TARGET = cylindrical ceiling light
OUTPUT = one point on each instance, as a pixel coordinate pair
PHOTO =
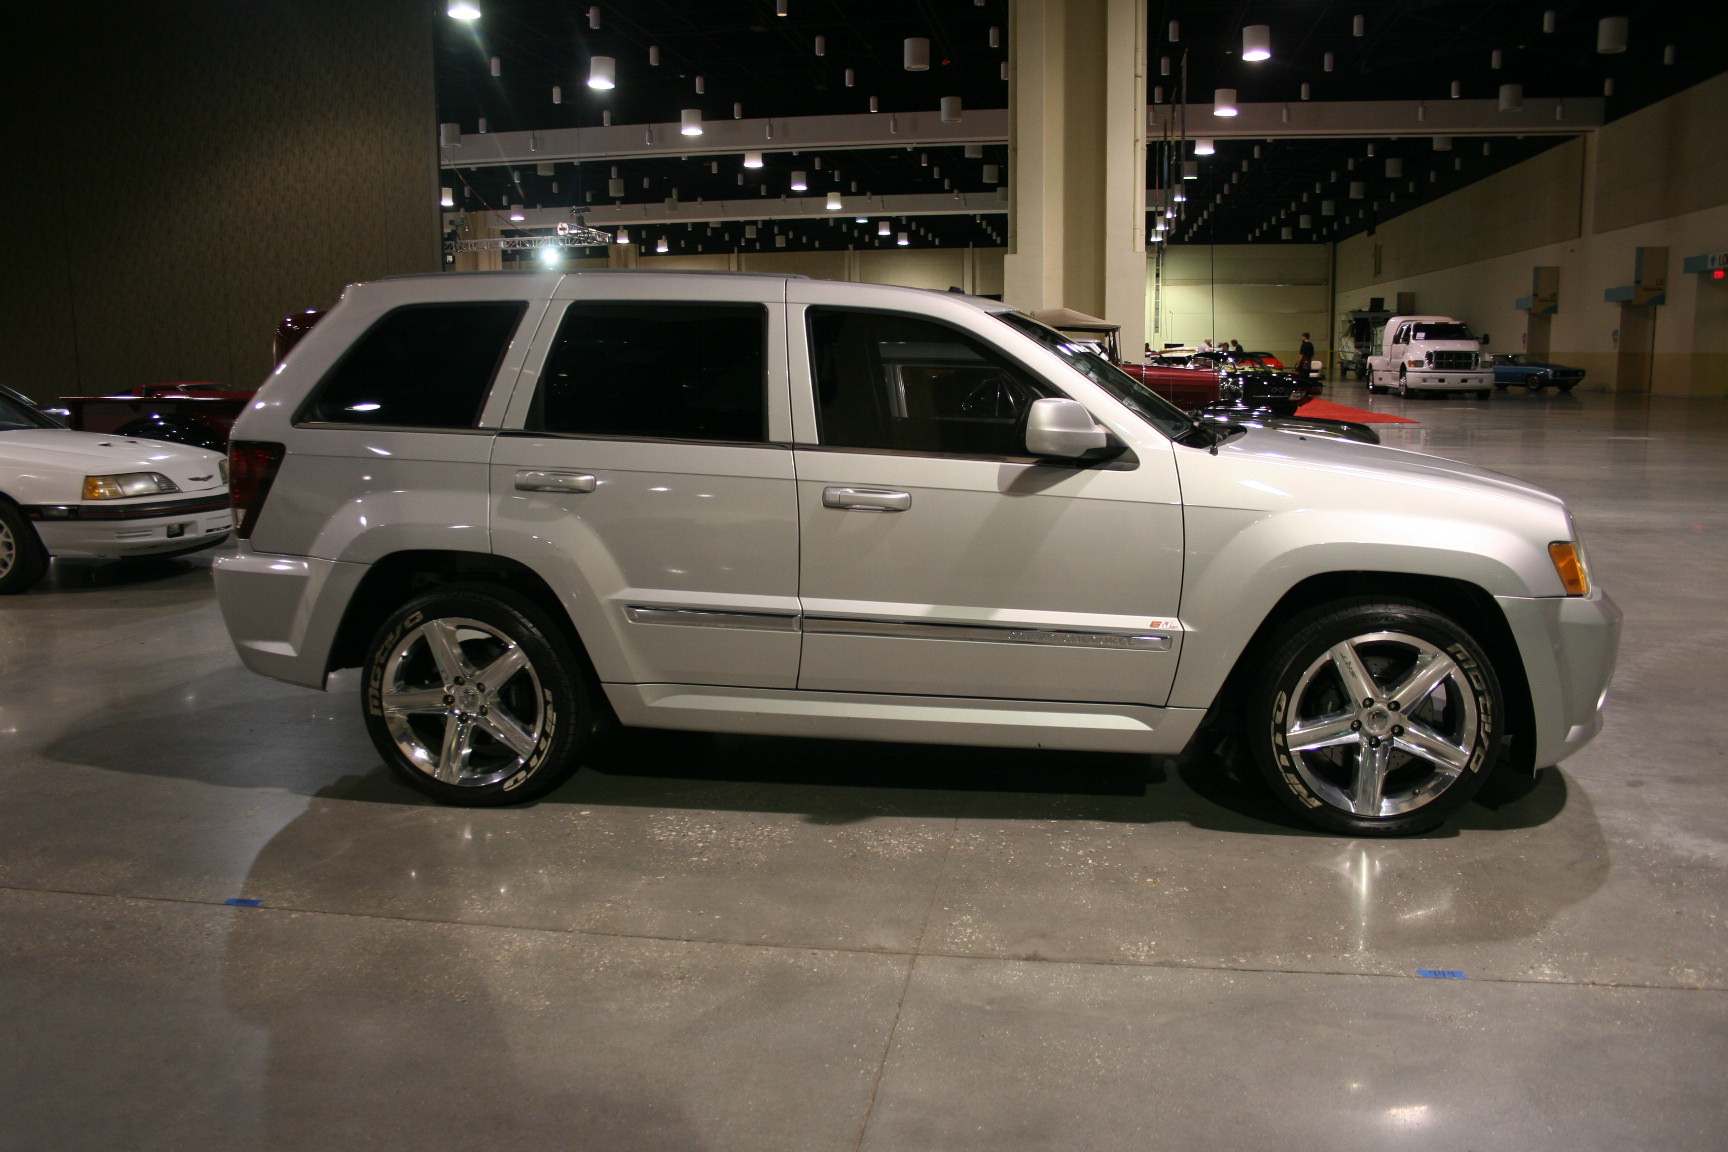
(1328, 62)
(593, 18)
(1163, 65)
(654, 55)
(1304, 221)
(497, 66)
(1203, 146)
(462, 10)
(1224, 102)
(1174, 32)
(557, 94)
(752, 159)
(615, 188)
(690, 122)
(603, 72)
(1442, 143)
(992, 174)
(623, 236)
(1257, 42)
(1668, 54)
(701, 85)
(516, 213)
(821, 45)
(1496, 58)
(449, 135)
(1287, 232)
(1190, 170)
(1179, 195)
(1328, 207)
(995, 37)
(1358, 189)
(902, 240)
(882, 228)
(833, 204)
(661, 246)
(1158, 94)
(974, 151)
(798, 184)
(779, 10)
(851, 77)
(875, 105)
(1611, 35)
(950, 109)
(447, 198)
(1307, 90)
(1394, 168)
(1511, 97)
(916, 54)
(1358, 25)
(1548, 20)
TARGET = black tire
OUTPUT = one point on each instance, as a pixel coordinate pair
(514, 740)
(1410, 781)
(1403, 385)
(23, 560)
(1533, 383)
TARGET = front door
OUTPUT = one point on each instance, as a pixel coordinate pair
(939, 559)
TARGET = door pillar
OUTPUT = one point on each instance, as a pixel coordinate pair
(1077, 161)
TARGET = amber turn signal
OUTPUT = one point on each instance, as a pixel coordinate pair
(1569, 562)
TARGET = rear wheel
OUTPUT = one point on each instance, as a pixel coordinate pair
(23, 560)
(474, 697)
(1375, 718)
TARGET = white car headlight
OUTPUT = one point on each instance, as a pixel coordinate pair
(222, 466)
(127, 484)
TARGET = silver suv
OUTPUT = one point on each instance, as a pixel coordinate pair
(531, 505)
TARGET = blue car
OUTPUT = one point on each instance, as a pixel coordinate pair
(1534, 373)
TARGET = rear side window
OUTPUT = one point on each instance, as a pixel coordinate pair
(910, 385)
(658, 371)
(420, 366)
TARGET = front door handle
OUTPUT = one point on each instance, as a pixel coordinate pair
(528, 480)
(866, 499)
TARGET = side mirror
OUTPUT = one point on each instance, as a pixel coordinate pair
(1062, 429)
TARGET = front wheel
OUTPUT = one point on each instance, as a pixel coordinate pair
(23, 560)
(1375, 718)
(1403, 386)
(474, 697)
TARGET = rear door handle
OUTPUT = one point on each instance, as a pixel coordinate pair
(866, 499)
(528, 480)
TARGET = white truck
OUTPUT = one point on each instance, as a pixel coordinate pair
(1429, 354)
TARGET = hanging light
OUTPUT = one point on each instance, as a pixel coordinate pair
(1190, 170)
(992, 174)
(950, 109)
(463, 10)
(1358, 189)
(752, 159)
(1287, 232)
(1496, 58)
(701, 85)
(902, 240)
(860, 219)
(1611, 35)
(654, 55)
(557, 94)
(1328, 207)
(516, 213)
(1307, 90)
(661, 247)
(603, 72)
(690, 122)
(450, 135)
(1203, 146)
(1394, 168)
(1174, 33)
(1224, 102)
(833, 204)
(779, 10)
(1179, 195)
(875, 106)
(1304, 222)
(1327, 62)
(447, 198)
(1442, 143)
(1511, 97)
(623, 236)
(1548, 20)
(1358, 25)
(882, 228)
(798, 184)
(916, 54)
(821, 45)
(497, 66)
(995, 37)
(1257, 42)
(615, 188)
(851, 77)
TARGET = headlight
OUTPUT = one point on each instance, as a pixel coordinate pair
(127, 484)
(1568, 557)
(222, 466)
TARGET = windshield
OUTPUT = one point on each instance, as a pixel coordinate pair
(1441, 332)
(1144, 402)
(17, 412)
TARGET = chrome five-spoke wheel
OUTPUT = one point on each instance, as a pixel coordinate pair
(474, 697)
(1376, 718)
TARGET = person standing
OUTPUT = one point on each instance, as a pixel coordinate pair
(1305, 360)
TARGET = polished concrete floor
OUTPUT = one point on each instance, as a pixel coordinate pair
(706, 943)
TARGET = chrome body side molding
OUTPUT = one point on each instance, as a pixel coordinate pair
(1130, 640)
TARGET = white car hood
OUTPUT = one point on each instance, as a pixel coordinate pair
(44, 465)
(1359, 461)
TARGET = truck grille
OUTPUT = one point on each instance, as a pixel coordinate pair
(1453, 361)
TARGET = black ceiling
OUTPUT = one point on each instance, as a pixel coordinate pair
(766, 65)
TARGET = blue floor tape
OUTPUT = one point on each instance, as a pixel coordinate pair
(244, 903)
(1431, 973)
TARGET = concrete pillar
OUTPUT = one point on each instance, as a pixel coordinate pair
(1077, 160)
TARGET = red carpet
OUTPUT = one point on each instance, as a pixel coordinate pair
(1326, 410)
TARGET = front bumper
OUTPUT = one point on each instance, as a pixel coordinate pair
(1449, 381)
(128, 528)
(1569, 645)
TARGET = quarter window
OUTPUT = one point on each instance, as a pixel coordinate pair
(657, 371)
(420, 366)
(905, 384)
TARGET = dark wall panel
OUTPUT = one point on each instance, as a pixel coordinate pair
(182, 175)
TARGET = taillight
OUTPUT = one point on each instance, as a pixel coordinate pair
(252, 468)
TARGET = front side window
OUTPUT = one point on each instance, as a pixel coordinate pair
(657, 371)
(1403, 336)
(419, 366)
(901, 383)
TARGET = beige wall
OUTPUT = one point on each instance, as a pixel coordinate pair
(1265, 295)
(303, 132)
(1657, 178)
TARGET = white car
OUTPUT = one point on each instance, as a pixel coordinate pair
(528, 504)
(66, 493)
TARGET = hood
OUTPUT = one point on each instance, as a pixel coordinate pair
(55, 456)
(1268, 469)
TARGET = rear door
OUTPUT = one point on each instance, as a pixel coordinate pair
(937, 557)
(645, 472)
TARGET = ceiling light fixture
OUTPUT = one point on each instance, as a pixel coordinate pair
(1307, 90)
(623, 236)
(1358, 25)
(1224, 102)
(1190, 171)
(1611, 35)
(1328, 62)
(1257, 42)
(1548, 20)
(1511, 97)
(915, 54)
(661, 247)
(950, 109)
(690, 122)
(462, 10)
(1203, 146)
(833, 204)
(752, 159)
(603, 73)
(798, 184)
(447, 198)
(516, 213)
